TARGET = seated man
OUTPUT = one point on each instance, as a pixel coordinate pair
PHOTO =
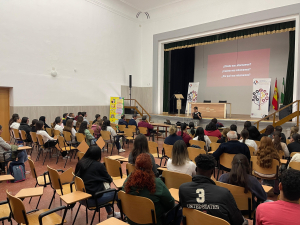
(64, 119)
(204, 195)
(233, 127)
(132, 121)
(144, 123)
(232, 146)
(287, 209)
(123, 121)
(196, 115)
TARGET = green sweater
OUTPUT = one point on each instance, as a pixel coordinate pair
(162, 199)
(88, 137)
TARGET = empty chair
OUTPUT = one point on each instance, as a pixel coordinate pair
(294, 165)
(121, 127)
(153, 149)
(80, 137)
(5, 212)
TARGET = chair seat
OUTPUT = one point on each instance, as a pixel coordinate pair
(68, 148)
(4, 211)
(66, 189)
(118, 178)
(129, 138)
(33, 218)
(41, 180)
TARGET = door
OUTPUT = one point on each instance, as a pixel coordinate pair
(4, 112)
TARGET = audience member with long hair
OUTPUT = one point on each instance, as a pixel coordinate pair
(15, 122)
(211, 130)
(184, 134)
(106, 127)
(191, 131)
(43, 119)
(200, 136)
(58, 125)
(245, 139)
(224, 138)
(280, 146)
(173, 137)
(69, 128)
(90, 139)
(77, 123)
(254, 134)
(32, 125)
(94, 175)
(24, 126)
(247, 124)
(13, 118)
(96, 127)
(269, 131)
(49, 142)
(142, 182)
(294, 145)
(180, 161)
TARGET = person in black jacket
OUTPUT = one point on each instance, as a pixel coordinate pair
(132, 121)
(294, 145)
(43, 118)
(94, 175)
(24, 126)
(173, 137)
(204, 195)
(123, 121)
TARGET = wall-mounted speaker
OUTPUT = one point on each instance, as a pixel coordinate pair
(130, 81)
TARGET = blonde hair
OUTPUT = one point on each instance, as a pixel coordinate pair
(294, 130)
(180, 153)
(172, 129)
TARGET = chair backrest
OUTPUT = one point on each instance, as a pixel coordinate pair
(33, 137)
(143, 130)
(113, 167)
(83, 147)
(49, 131)
(128, 132)
(168, 150)
(213, 139)
(80, 155)
(32, 168)
(281, 154)
(91, 122)
(293, 153)
(226, 160)
(201, 144)
(287, 141)
(193, 216)
(79, 184)
(129, 168)
(67, 135)
(132, 127)
(54, 178)
(252, 150)
(257, 143)
(91, 131)
(17, 208)
(153, 147)
(16, 133)
(23, 135)
(243, 200)
(131, 207)
(121, 127)
(294, 165)
(257, 168)
(61, 142)
(106, 135)
(56, 132)
(174, 180)
(80, 137)
(40, 139)
(194, 152)
(214, 146)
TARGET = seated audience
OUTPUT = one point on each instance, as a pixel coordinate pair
(4, 146)
(77, 123)
(94, 175)
(294, 145)
(254, 134)
(57, 125)
(200, 136)
(97, 118)
(144, 123)
(43, 119)
(71, 116)
(240, 176)
(24, 126)
(49, 142)
(140, 146)
(89, 138)
(211, 130)
(114, 137)
(294, 130)
(69, 128)
(232, 146)
(286, 210)
(78, 114)
(218, 124)
(283, 138)
(13, 118)
(96, 127)
(16, 123)
(204, 195)
(173, 137)
(247, 124)
(269, 131)
(191, 131)
(180, 161)
(248, 142)
(132, 121)
(85, 117)
(104, 118)
(183, 133)
(142, 182)
(33, 123)
(280, 146)
(123, 121)
(64, 119)
(233, 127)
(224, 139)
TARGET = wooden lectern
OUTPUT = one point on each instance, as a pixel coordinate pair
(179, 97)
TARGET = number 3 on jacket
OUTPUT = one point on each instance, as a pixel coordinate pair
(201, 194)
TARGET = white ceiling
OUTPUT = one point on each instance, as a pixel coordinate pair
(146, 5)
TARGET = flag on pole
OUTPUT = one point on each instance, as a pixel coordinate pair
(282, 91)
(275, 97)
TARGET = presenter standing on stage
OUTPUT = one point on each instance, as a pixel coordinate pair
(196, 115)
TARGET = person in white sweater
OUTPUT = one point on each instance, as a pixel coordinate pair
(57, 125)
(200, 136)
(15, 124)
(114, 137)
(244, 139)
(48, 141)
(180, 161)
(3, 146)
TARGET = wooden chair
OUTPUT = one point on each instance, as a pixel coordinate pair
(25, 141)
(167, 152)
(43, 216)
(213, 139)
(201, 144)
(80, 155)
(80, 137)
(91, 122)
(252, 151)
(60, 183)
(243, 200)
(214, 146)
(225, 160)
(5, 212)
(114, 168)
(294, 165)
(34, 140)
(42, 148)
(193, 216)
(129, 168)
(293, 153)
(288, 141)
(281, 154)
(91, 131)
(63, 147)
(129, 134)
(132, 127)
(56, 132)
(194, 152)
(174, 180)
(16, 134)
(268, 171)
(121, 127)
(144, 131)
(49, 131)
(106, 135)
(153, 149)
(257, 143)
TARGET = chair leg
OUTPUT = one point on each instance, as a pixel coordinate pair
(93, 217)
(45, 157)
(38, 202)
(86, 215)
(99, 215)
(52, 199)
(76, 214)
(66, 159)
(218, 173)
(31, 197)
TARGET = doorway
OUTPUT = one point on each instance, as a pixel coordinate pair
(4, 112)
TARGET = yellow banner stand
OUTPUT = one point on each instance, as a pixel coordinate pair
(116, 109)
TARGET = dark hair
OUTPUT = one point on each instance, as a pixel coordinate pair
(233, 127)
(276, 141)
(269, 130)
(33, 122)
(144, 117)
(254, 134)
(134, 115)
(239, 172)
(56, 121)
(140, 146)
(211, 126)
(296, 137)
(79, 113)
(104, 125)
(24, 120)
(65, 114)
(278, 128)
(200, 134)
(93, 154)
(83, 114)
(69, 125)
(182, 127)
(83, 127)
(42, 118)
(104, 118)
(0, 127)
(39, 125)
(79, 121)
(205, 162)
(245, 135)
(13, 118)
(123, 116)
(291, 184)
(247, 124)
(195, 107)
(192, 126)
(97, 116)
(214, 120)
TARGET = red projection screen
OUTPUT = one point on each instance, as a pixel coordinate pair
(237, 68)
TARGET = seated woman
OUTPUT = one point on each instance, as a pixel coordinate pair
(140, 146)
(69, 128)
(4, 146)
(57, 125)
(211, 130)
(96, 127)
(269, 131)
(97, 118)
(183, 133)
(224, 139)
(33, 123)
(294, 145)
(15, 123)
(90, 140)
(24, 126)
(77, 123)
(280, 146)
(245, 140)
(94, 175)
(240, 176)
(254, 134)
(200, 136)
(173, 137)
(191, 131)
(43, 119)
(180, 161)
(114, 137)
(13, 118)
(294, 130)
(142, 182)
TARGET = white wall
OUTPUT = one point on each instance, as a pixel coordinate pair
(100, 39)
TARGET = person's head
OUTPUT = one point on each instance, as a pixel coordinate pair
(144, 118)
(71, 115)
(13, 118)
(254, 134)
(134, 116)
(269, 130)
(104, 118)
(205, 165)
(239, 171)
(79, 113)
(233, 127)
(69, 123)
(93, 154)
(265, 142)
(65, 115)
(25, 120)
(192, 127)
(183, 128)
(224, 133)
(143, 176)
(294, 130)
(200, 134)
(140, 146)
(42, 118)
(39, 125)
(214, 120)
(180, 153)
(83, 127)
(278, 128)
(232, 135)
(33, 122)
(295, 138)
(123, 117)
(245, 135)
(247, 124)
(56, 121)
(97, 117)
(172, 130)
(84, 114)
(79, 121)
(277, 140)
(195, 109)
(290, 185)
(211, 126)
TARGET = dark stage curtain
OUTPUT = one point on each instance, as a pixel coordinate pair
(182, 72)
(166, 96)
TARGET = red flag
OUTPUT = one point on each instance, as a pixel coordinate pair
(275, 97)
